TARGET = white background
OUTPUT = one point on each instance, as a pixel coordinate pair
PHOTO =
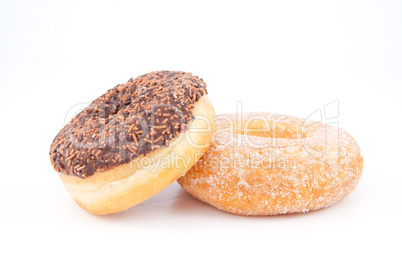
(290, 57)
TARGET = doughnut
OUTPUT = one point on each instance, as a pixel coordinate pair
(134, 140)
(269, 164)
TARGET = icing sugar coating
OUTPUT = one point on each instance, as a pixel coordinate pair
(127, 121)
(269, 164)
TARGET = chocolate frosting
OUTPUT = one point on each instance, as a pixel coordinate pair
(127, 121)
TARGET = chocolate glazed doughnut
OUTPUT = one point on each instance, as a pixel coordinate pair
(134, 140)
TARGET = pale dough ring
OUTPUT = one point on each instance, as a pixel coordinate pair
(260, 164)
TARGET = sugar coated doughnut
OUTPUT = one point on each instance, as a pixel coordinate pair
(269, 164)
(134, 140)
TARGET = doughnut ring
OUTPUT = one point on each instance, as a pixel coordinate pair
(269, 164)
(134, 140)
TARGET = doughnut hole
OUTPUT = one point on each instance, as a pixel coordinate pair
(258, 130)
(261, 126)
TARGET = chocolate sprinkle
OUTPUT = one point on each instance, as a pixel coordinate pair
(127, 121)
